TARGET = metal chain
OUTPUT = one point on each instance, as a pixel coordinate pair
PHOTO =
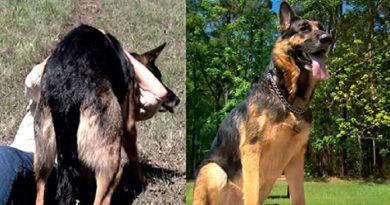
(281, 97)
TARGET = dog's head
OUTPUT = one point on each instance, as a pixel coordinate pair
(149, 60)
(303, 45)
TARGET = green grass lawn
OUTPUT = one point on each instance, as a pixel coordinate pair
(340, 192)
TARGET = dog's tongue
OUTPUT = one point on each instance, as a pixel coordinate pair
(318, 68)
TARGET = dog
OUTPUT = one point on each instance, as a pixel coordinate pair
(267, 133)
(86, 114)
(148, 107)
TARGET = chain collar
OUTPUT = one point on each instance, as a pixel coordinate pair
(281, 97)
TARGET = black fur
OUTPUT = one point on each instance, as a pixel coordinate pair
(264, 101)
(313, 45)
(85, 63)
(224, 150)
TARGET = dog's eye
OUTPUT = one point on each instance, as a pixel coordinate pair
(305, 28)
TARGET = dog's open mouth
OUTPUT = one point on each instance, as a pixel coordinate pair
(166, 109)
(315, 62)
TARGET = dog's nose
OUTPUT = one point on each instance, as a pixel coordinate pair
(177, 101)
(326, 38)
(171, 101)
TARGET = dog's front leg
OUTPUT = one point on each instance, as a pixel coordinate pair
(129, 144)
(250, 159)
(129, 141)
(294, 176)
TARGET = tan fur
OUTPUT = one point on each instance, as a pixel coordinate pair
(99, 146)
(282, 145)
(283, 25)
(284, 61)
(96, 144)
(104, 147)
(250, 153)
(45, 149)
(210, 181)
(129, 141)
(231, 194)
(281, 148)
(267, 149)
(269, 146)
(294, 175)
(105, 188)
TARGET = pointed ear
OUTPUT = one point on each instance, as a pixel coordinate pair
(153, 54)
(286, 14)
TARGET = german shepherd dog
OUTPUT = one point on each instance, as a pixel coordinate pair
(267, 133)
(86, 114)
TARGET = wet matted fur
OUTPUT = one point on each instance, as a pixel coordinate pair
(86, 113)
(267, 133)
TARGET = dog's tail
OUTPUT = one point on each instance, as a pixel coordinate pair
(65, 126)
(63, 91)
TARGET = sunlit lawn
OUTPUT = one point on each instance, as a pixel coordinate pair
(340, 192)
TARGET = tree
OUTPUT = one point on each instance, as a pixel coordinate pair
(352, 108)
(229, 43)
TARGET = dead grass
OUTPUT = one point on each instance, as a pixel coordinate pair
(143, 25)
(30, 30)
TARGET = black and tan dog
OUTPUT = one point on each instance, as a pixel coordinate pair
(86, 113)
(267, 133)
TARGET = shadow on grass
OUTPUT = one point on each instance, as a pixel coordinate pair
(320, 179)
(131, 186)
(127, 191)
(160, 173)
(369, 180)
(374, 181)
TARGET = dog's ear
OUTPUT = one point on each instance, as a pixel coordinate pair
(286, 15)
(153, 54)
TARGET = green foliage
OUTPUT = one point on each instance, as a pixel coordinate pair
(229, 43)
(353, 104)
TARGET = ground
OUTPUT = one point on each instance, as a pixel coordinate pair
(332, 191)
(30, 32)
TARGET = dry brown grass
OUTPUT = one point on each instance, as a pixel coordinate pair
(32, 29)
(28, 32)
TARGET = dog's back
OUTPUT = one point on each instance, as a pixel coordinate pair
(84, 84)
(84, 61)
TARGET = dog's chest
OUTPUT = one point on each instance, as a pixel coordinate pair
(293, 129)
